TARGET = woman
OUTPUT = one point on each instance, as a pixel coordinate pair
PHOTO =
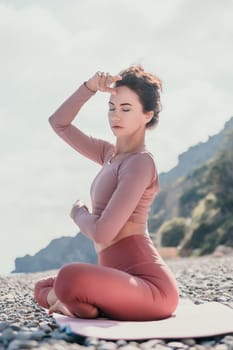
(131, 281)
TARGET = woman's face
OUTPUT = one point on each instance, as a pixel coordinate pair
(126, 114)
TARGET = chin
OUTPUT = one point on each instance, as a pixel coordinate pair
(117, 131)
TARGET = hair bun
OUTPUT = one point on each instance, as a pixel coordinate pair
(147, 86)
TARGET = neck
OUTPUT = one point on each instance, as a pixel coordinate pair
(129, 144)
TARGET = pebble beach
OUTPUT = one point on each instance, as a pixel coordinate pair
(25, 325)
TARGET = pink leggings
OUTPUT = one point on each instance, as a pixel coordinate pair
(130, 282)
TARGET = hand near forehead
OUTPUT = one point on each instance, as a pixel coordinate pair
(102, 82)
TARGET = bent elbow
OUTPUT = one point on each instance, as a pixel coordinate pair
(51, 121)
(55, 126)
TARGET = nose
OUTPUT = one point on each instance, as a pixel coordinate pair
(114, 116)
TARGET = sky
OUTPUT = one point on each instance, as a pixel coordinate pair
(48, 48)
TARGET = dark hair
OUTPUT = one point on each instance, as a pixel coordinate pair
(147, 86)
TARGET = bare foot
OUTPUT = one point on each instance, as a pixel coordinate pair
(55, 305)
(60, 308)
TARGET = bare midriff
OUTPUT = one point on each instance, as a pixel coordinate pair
(129, 229)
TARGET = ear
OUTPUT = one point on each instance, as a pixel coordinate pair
(148, 116)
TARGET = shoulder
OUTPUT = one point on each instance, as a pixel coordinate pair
(140, 164)
(140, 159)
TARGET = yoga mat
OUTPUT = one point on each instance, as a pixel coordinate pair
(188, 321)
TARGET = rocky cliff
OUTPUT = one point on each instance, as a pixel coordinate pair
(58, 252)
(196, 155)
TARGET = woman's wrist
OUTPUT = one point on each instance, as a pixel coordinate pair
(90, 89)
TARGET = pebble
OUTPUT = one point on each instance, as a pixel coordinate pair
(22, 344)
(108, 345)
(228, 339)
(189, 341)
(221, 347)
(3, 325)
(24, 325)
(121, 342)
(177, 345)
(91, 341)
(129, 347)
(38, 335)
(152, 343)
(9, 334)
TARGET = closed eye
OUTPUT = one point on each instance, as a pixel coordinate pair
(125, 107)
(123, 110)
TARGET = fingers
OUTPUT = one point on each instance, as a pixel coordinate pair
(106, 80)
(102, 81)
(77, 205)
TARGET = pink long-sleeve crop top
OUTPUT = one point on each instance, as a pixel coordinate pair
(124, 188)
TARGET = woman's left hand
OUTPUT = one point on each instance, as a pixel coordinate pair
(77, 205)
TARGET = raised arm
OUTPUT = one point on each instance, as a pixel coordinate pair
(136, 175)
(61, 120)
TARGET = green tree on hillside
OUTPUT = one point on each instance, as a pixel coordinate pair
(172, 232)
(215, 225)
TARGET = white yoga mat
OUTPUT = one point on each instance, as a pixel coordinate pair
(188, 321)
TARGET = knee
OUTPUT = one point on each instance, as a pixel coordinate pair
(68, 280)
